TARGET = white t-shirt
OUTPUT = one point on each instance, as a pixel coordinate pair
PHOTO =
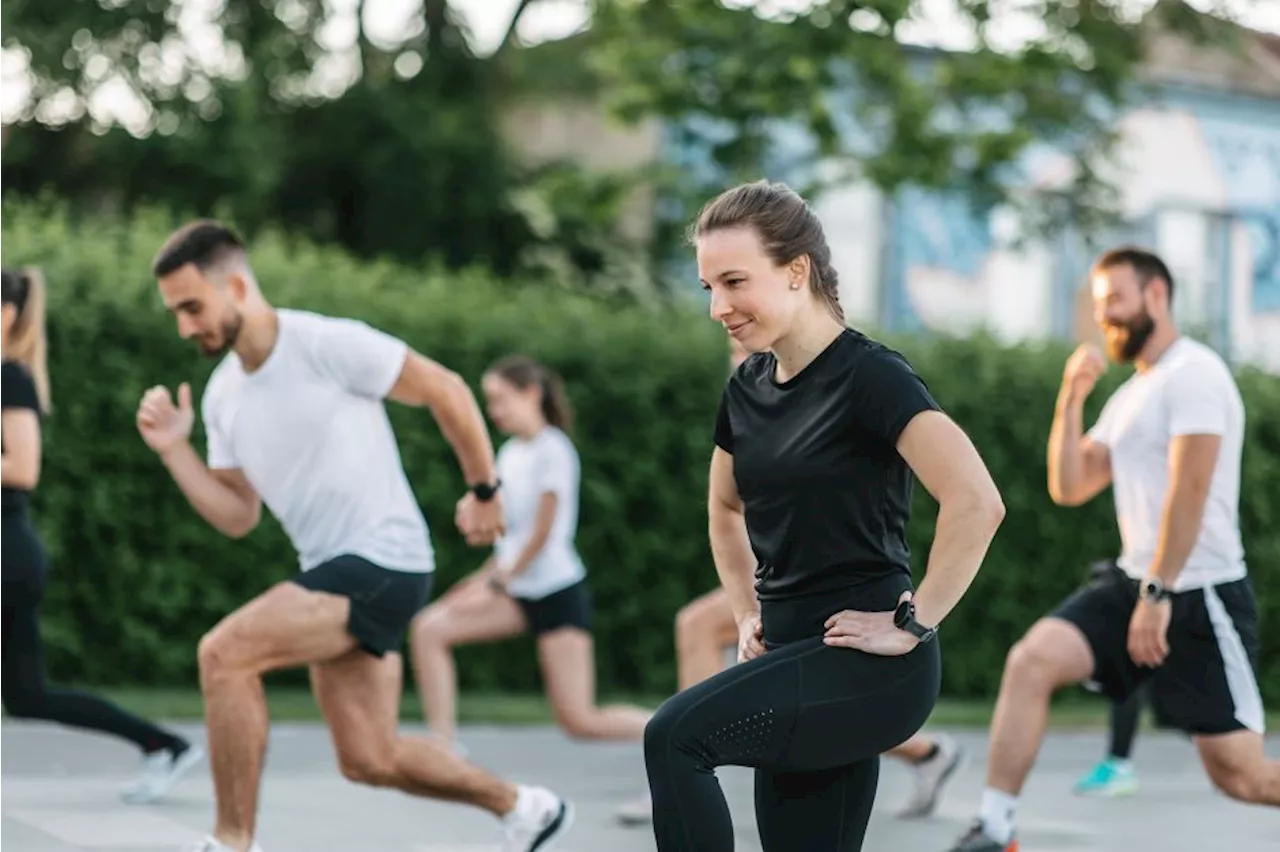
(1189, 391)
(310, 432)
(547, 462)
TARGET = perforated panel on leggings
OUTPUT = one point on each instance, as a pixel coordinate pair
(744, 739)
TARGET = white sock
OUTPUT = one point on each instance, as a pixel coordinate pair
(526, 801)
(997, 814)
(1123, 764)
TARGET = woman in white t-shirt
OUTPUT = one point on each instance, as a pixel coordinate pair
(534, 581)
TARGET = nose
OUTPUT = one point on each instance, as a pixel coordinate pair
(720, 307)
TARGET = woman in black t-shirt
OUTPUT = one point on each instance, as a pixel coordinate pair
(819, 436)
(25, 694)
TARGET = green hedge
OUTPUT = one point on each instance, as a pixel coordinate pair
(137, 577)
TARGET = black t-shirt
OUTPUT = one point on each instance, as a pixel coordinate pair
(17, 390)
(827, 497)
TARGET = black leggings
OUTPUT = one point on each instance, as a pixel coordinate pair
(23, 689)
(811, 719)
(1125, 716)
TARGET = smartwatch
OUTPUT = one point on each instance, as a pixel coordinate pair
(904, 618)
(1151, 589)
(484, 491)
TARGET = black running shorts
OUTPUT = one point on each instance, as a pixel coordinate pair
(1208, 683)
(383, 601)
(569, 607)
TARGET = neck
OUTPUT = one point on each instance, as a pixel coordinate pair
(533, 429)
(797, 349)
(1161, 339)
(257, 337)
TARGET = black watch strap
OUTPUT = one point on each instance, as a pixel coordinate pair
(485, 491)
(904, 617)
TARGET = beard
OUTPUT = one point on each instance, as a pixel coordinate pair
(1126, 339)
(228, 333)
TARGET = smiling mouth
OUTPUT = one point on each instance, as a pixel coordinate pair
(735, 328)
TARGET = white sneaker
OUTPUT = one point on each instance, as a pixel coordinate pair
(539, 819)
(930, 776)
(209, 843)
(636, 812)
(160, 771)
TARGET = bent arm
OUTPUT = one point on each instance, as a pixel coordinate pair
(730, 546)
(538, 538)
(223, 497)
(1192, 459)
(969, 509)
(424, 383)
(1079, 467)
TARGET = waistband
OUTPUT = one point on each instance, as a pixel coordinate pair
(793, 619)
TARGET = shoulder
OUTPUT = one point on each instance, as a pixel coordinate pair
(870, 365)
(1194, 359)
(755, 369)
(553, 441)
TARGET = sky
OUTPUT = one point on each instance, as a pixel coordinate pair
(388, 20)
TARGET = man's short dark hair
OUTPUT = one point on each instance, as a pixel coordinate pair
(203, 242)
(1146, 264)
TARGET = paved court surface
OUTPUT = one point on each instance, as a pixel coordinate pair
(59, 794)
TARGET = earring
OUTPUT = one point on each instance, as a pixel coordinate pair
(795, 286)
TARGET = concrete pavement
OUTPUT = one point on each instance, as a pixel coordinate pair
(60, 794)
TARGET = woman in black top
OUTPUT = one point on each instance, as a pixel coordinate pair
(819, 434)
(25, 693)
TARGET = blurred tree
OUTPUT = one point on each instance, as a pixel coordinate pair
(728, 73)
(287, 112)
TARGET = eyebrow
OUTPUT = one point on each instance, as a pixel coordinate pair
(183, 305)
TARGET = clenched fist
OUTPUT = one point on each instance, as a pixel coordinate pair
(162, 425)
(1083, 368)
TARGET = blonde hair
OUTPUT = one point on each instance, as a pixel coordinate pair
(28, 343)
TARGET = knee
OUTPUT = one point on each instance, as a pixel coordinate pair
(695, 625)
(578, 724)
(213, 654)
(1236, 781)
(659, 731)
(1030, 664)
(430, 628)
(368, 768)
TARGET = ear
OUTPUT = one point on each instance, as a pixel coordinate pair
(798, 272)
(237, 286)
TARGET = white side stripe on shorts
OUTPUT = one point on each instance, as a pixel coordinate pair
(1241, 682)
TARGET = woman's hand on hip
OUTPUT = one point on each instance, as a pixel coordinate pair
(871, 632)
(750, 638)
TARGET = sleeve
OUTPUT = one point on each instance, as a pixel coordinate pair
(1100, 432)
(17, 390)
(887, 394)
(724, 429)
(557, 469)
(1198, 400)
(219, 452)
(362, 359)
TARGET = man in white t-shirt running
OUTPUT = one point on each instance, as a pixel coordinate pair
(1181, 611)
(294, 418)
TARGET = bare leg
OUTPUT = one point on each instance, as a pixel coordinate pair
(568, 669)
(360, 695)
(469, 612)
(1053, 654)
(704, 628)
(1239, 767)
(913, 750)
(286, 626)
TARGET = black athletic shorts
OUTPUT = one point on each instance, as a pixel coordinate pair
(1208, 683)
(383, 601)
(569, 607)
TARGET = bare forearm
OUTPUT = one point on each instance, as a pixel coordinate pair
(1065, 458)
(1179, 529)
(527, 554)
(225, 510)
(463, 426)
(15, 475)
(962, 536)
(735, 562)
